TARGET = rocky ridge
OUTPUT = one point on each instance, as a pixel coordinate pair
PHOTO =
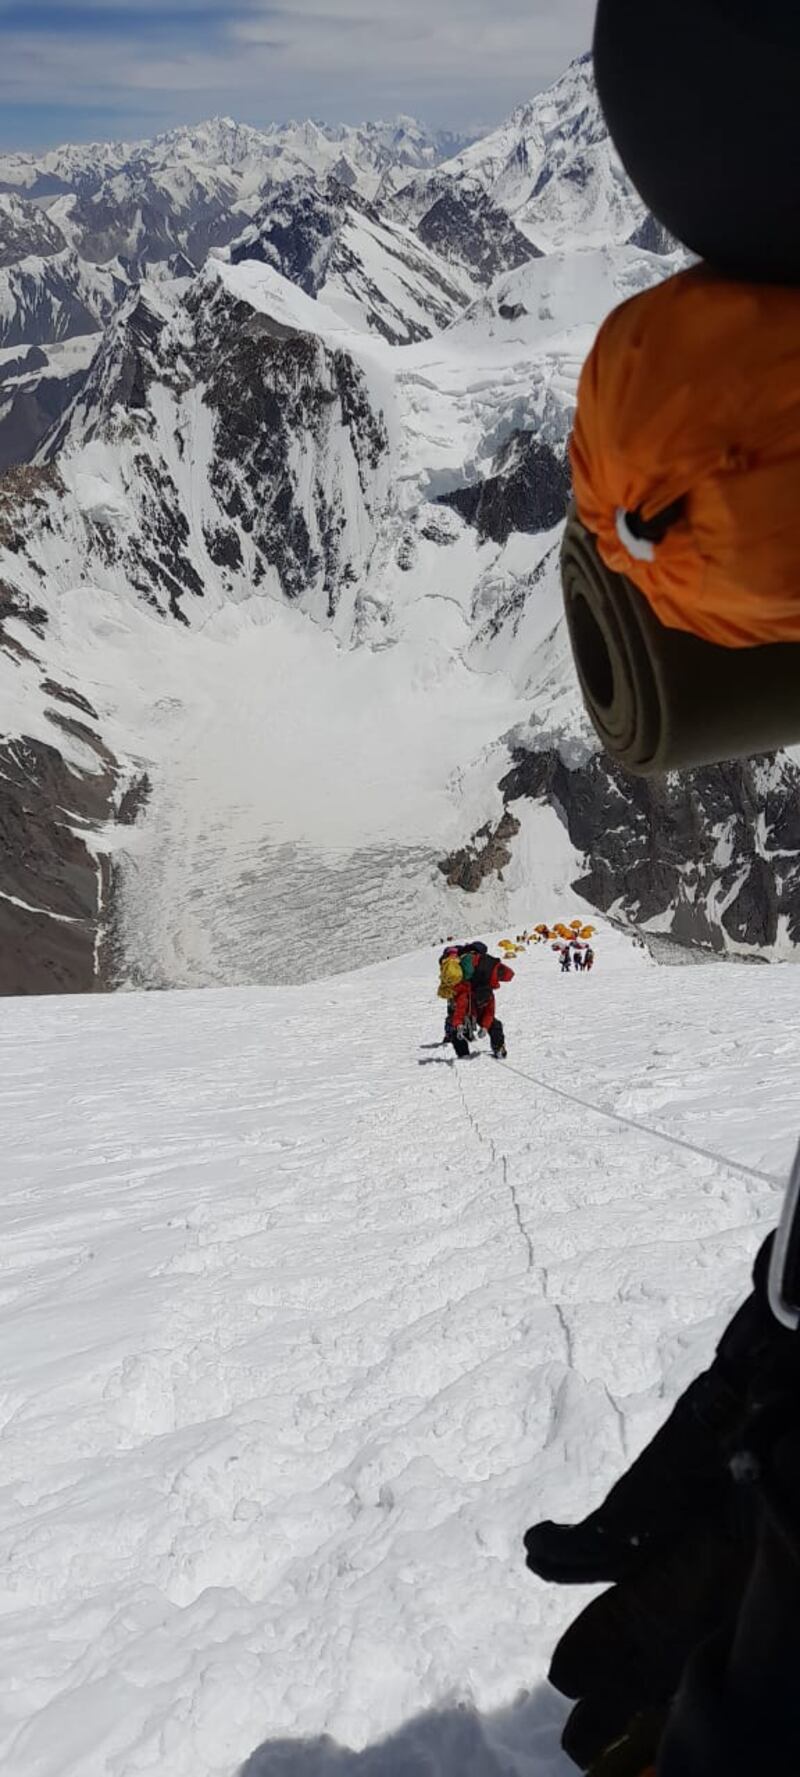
(334, 244)
(708, 859)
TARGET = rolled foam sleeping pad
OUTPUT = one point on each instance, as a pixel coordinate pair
(661, 699)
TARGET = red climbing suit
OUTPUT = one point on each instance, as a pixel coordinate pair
(465, 1002)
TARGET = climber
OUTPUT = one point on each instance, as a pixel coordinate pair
(456, 965)
(473, 1009)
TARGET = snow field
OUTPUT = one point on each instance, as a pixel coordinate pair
(300, 1335)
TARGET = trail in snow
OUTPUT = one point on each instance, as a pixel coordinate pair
(299, 1337)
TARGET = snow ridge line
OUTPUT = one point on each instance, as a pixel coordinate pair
(675, 1141)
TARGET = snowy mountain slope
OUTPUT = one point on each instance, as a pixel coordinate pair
(361, 679)
(159, 496)
(26, 230)
(511, 363)
(552, 168)
(43, 300)
(369, 155)
(107, 214)
(60, 783)
(299, 1337)
(201, 402)
(37, 386)
(707, 859)
(146, 215)
(458, 219)
(191, 189)
(71, 167)
(282, 151)
(129, 208)
(334, 245)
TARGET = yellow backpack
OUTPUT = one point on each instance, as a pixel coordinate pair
(450, 976)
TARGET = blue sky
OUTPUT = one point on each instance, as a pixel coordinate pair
(127, 68)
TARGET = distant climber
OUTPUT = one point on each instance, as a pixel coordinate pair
(588, 960)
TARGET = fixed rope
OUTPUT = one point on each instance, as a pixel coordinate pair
(675, 1141)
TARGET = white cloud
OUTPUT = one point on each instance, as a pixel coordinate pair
(457, 62)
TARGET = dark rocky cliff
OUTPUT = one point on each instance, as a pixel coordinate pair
(712, 856)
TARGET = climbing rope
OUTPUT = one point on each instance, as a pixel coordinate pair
(675, 1141)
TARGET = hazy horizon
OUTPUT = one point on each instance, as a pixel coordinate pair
(461, 66)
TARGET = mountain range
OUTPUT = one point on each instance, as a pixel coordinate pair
(283, 672)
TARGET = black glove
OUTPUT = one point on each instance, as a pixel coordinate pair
(736, 1713)
(624, 1655)
(681, 1474)
(678, 1536)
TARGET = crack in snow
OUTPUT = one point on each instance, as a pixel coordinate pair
(518, 1213)
(500, 1163)
(620, 1419)
(561, 1317)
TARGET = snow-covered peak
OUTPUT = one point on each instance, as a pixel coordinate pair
(24, 230)
(279, 439)
(276, 150)
(553, 168)
(458, 219)
(55, 295)
(219, 141)
(245, 456)
(568, 109)
(333, 244)
(70, 167)
(192, 188)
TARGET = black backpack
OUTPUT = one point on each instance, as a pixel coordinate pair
(482, 980)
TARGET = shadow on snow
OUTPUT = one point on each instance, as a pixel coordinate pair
(520, 1741)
